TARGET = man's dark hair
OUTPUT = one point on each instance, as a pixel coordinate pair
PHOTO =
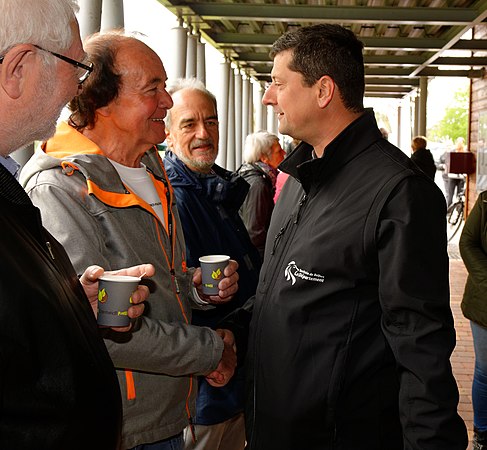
(104, 83)
(327, 49)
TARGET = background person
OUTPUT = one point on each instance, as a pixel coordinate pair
(422, 157)
(454, 182)
(102, 190)
(262, 154)
(208, 199)
(473, 248)
(58, 388)
(351, 330)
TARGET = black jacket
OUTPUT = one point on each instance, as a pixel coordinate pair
(58, 388)
(256, 210)
(424, 160)
(351, 330)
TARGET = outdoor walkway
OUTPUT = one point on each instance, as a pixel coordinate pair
(463, 357)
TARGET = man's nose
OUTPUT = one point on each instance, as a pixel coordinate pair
(202, 131)
(268, 97)
(165, 100)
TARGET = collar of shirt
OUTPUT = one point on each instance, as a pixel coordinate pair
(11, 165)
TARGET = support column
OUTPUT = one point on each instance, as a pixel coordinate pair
(251, 108)
(200, 61)
(221, 159)
(423, 97)
(238, 119)
(177, 67)
(246, 87)
(399, 126)
(416, 117)
(89, 17)
(231, 122)
(271, 120)
(261, 118)
(191, 55)
(112, 15)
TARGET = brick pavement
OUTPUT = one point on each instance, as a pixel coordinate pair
(463, 356)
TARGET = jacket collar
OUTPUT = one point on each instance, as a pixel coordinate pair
(72, 148)
(220, 187)
(352, 141)
(11, 190)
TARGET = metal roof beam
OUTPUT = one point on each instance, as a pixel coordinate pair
(346, 14)
(370, 43)
(263, 59)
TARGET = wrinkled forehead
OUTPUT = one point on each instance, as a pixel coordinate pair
(191, 103)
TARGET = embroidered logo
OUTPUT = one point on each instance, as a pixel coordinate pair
(293, 272)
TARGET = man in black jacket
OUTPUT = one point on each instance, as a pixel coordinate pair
(58, 388)
(351, 329)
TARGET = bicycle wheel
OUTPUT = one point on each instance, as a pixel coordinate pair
(454, 218)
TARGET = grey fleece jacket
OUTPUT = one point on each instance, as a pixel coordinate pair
(87, 208)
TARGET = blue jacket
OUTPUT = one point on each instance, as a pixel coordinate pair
(208, 208)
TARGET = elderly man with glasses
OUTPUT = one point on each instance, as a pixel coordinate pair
(58, 388)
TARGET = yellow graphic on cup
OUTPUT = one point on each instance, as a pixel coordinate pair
(216, 274)
(102, 296)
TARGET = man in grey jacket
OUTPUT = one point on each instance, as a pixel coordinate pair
(101, 187)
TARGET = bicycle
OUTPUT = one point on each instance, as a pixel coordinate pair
(455, 216)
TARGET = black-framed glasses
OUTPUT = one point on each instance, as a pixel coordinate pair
(87, 69)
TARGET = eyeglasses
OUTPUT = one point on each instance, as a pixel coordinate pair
(86, 69)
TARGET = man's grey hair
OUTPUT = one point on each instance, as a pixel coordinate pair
(42, 22)
(258, 144)
(188, 83)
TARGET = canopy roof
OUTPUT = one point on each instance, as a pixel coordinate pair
(404, 39)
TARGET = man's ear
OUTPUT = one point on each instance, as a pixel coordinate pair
(326, 89)
(16, 70)
(104, 111)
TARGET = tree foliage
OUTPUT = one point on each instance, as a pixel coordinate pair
(454, 123)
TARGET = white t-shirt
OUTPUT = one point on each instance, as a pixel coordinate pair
(139, 182)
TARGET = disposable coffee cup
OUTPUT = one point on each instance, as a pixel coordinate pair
(114, 298)
(212, 267)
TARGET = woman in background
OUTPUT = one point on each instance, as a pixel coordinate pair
(262, 155)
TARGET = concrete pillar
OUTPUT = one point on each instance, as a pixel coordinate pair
(89, 17)
(423, 97)
(221, 159)
(271, 120)
(246, 87)
(261, 116)
(112, 15)
(251, 117)
(177, 67)
(415, 130)
(191, 55)
(238, 119)
(231, 122)
(399, 126)
(200, 61)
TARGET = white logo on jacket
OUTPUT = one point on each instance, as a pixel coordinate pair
(292, 272)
